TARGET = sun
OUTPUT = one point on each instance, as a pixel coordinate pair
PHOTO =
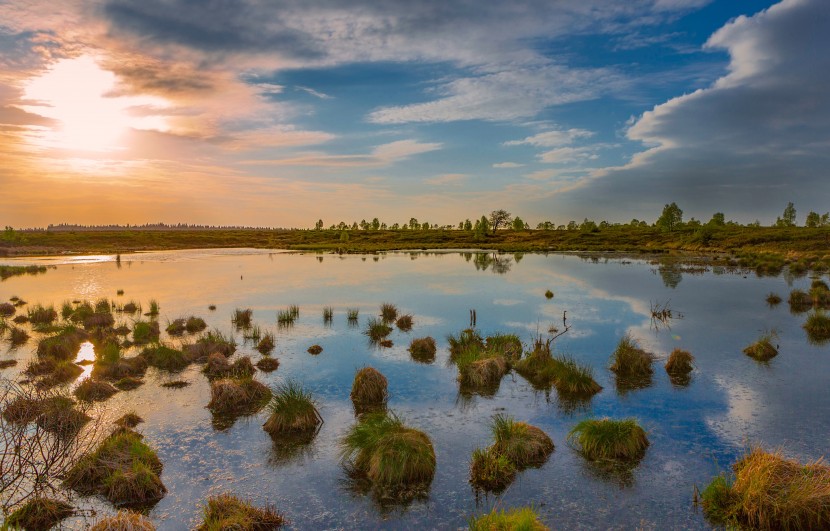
(78, 95)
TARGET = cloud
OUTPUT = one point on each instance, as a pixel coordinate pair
(756, 138)
(554, 138)
(315, 93)
(446, 179)
(507, 165)
(380, 156)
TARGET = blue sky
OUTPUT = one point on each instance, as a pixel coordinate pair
(280, 113)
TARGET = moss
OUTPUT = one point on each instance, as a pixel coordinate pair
(123, 468)
(423, 349)
(771, 492)
(226, 511)
(293, 410)
(39, 514)
(519, 519)
(90, 390)
(607, 439)
(124, 521)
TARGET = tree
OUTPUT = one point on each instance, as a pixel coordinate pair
(499, 217)
(788, 219)
(671, 218)
(813, 220)
(518, 224)
(375, 224)
(413, 224)
(718, 220)
(468, 225)
(319, 224)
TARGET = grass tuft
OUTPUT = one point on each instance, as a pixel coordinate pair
(293, 411)
(315, 349)
(268, 364)
(423, 349)
(607, 439)
(129, 420)
(377, 330)
(226, 511)
(524, 445)
(369, 390)
(491, 471)
(328, 315)
(679, 366)
(218, 366)
(770, 492)
(388, 312)
(267, 343)
(404, 322)
(763, 349)
(39, 513)
(124, 521)
(237, 396)
(90, 390)
(773, 299)
(548, 294)
(519, 519)
(242, 318)
(818, 327)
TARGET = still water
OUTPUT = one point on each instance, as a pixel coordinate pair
(695, 431)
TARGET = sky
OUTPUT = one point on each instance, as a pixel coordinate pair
(281, 112)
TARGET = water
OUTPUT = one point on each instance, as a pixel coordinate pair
(695, 431)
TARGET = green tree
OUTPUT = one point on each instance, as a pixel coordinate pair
(319, 224)
(468, 225)
(499, 217)
(813, 220)
(788, 218)
(376, 224)
(718, 220)
(518, 224)
(344, 235)
(671, 218)
(413, 224)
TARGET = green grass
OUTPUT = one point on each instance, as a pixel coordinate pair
(491, 471)
(267, 343)
(517, 519)
(524, 445)
(293, 410)
(607, 439)
(770, 492)
(818, 327)
(377, 329)
(388, 312)
(226, 511)
(286, 317)
(63, 345)
(124, 520)
(352, 314)
(548, 294)
(629, 360)
(392, 456)
(124, 469)
(763, 349)
(543, 370)
(466, 338)
(42, 314)
(165, 358)
(253, 332)
(39, 513)
(145, 332)
(155, 308)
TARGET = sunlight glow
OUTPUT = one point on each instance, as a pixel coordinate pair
(77, 93)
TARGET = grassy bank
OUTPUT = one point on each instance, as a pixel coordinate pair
(737, 240)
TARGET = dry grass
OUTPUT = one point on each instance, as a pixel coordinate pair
(39, 513)
(680, 362)
(7, 309)
(369, 389)
(607, 439)
(267, 343)
(124, 521)
(423, 349)
(242, 318)
(315, 349)
(268, 364)
(629, 360)
(175, 384)
(763, 349)
(90, 390)
(817, 327)
(771, 492)
(377, 330)
(388, 312)
(490, 470)
(227, 512)
(293, 411)
(522, 444)
(520, 519)
(129, 420)
(237, 396)
(218, 366)
(62, 346)
(404, 322)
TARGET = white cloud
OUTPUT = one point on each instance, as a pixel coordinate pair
(447, 179)
(507, 165)
(554, 138)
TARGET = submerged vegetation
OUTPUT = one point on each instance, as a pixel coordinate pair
(770, 492)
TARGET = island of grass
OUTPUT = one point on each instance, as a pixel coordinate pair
(543, 370)
(397, 460)
(39, 513)
(763, 349)
(226, 511)
(123, 469)
(369, 390)
(423, 349)
(521, 518)
(608, 439)
(631, 365)
(293, 411)
(770, 492)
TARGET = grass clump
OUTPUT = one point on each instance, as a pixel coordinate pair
(54, 413)
(267, 343)
(111, 365)
(466, 338)
(770, 492)
(124, 521)
(818, 327)
(680, 366)
(218, 366)
(213, 341)
(242, 318)
(315, 349)
(388, 312)
(522, 444)
(773, 299)
(17, 336)
(377, 330)
(131, 307)
(404, 322)
(268, 364)
(62, 346)
(123, 469)
(293, 411)
(352, 314)
(129, 420)
(607, 439)
(763, 349)
(800, 301)
(548, 294)
(237, 396)
(42, 315)
(518, 519)
(5, 364)
(543, 369)
(90, 390)
(175, 384)
(253, 333)
(509, 346)
(226, 511)
(423, 349)
(128, 383)
(397, 460)
(39, 513)
(176, 327)
(369, 390)
(285, 317)
(154, 308)
(490, 470)
(145, 332)
(194, 324)
(328, 315)
(7, 309)
(631, 365)
(165, 358)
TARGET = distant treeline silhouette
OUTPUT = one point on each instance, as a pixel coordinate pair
(147, 226)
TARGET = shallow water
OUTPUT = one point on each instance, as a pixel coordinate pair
(695, 431)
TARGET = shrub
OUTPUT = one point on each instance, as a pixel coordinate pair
(293, 410)
(423, 349)
(771, 492)
(524, 519)
(606, 439)
(226, 511)
(39, 513)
